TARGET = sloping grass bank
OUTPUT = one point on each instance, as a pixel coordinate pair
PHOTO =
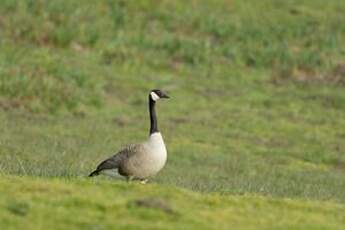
(99, 204)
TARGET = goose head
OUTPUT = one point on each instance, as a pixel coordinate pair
(157, 94)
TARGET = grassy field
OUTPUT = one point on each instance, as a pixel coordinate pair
(256, 119)
(88, 204)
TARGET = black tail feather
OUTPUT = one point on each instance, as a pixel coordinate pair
(94, 173)
(110, 163)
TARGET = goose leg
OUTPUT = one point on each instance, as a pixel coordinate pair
(130, 178)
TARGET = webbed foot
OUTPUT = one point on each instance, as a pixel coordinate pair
(144, 181)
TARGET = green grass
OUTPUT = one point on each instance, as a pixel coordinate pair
(257, 107)
(92, 204)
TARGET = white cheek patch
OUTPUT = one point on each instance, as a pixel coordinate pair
(154, 96)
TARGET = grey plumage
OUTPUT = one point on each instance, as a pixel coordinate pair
(118, 160)
(138, 161)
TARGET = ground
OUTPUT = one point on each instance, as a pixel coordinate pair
(90, 204)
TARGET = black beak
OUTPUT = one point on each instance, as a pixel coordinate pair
(165, 96)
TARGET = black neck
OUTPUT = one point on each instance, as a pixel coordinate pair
(153, 116)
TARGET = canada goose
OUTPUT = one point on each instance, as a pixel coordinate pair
(140, 161)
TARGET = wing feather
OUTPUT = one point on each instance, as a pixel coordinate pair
(116, 160)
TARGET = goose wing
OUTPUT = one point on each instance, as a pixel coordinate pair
(116, 160)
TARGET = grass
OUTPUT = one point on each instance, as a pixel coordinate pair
(257, 104)
(65, 203)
